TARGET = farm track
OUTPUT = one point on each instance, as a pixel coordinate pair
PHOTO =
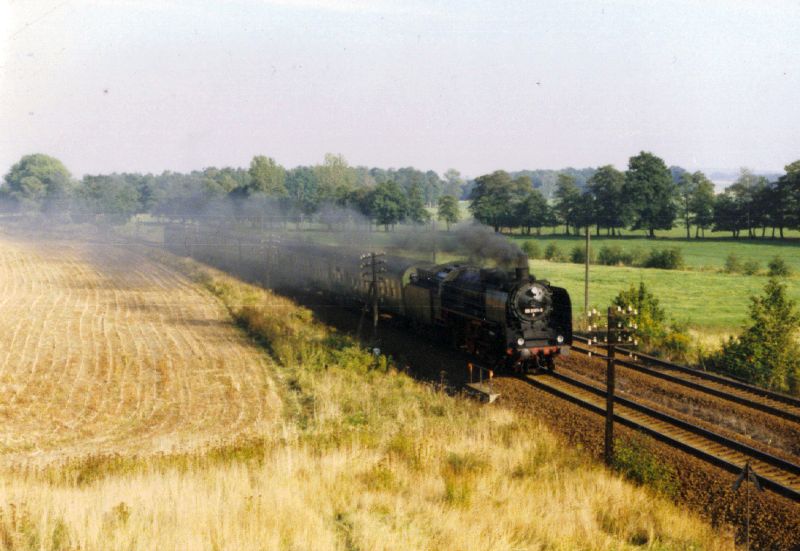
(103, 351)
(774, 403)
(776, 474)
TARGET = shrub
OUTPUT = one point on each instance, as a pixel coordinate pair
(636, 462)
(732, 264)
(676, 342)
(610, 255)
(651, 318)
(766, 353)
(553, 253)
(751, 267)
(778, 268)
(666, 259)
(578, 254)
(531, 248)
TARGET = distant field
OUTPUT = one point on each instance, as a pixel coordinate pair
(711, 302)
(697, 253)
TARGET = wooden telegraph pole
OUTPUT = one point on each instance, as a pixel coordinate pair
(372, 266)
(620, 329)
(586, 274)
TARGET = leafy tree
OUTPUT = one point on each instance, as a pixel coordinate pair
(766, 353)
(745, 192)
(649, 187)
(267, 177)
(110, 199)
(533, 211)
(38, 182)
(416, 211)
(388, 204)
(453, 183)
(651, 319)
(686, 189)
(568, 200)
(448, 210)
(606, 185)
(701, 202)
(335, 179)
(491, 198)
(727, 214)
(786, 206)
(778, 267)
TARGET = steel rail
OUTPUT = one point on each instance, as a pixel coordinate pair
(766, 465)
(751, 402)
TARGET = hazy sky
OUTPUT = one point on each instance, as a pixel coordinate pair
(127, 85)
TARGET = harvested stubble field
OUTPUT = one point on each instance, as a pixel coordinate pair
(345, 453)
(105, 351)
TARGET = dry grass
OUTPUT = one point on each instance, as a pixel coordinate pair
(363, 458)
(105, 351)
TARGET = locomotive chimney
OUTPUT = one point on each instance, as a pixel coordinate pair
(521, 271)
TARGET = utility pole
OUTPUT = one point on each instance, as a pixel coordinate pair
(372, 265)
(586, 274)
(620, 329)
(748, 475)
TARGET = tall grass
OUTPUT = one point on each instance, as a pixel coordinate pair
(363, 458)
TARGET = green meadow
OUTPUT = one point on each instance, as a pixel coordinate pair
(712, 302)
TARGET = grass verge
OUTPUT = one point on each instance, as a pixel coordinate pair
(365, 458)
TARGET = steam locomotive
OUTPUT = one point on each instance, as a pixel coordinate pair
(507, 318)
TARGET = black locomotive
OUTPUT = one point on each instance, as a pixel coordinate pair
(506, 317)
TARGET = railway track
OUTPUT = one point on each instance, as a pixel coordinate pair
(774, 473)
(773, 403)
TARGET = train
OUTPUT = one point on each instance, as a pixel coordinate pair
(505, 317)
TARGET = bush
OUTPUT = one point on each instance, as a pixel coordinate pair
(766, 353)
(666, 259)
(610, 255)
(531, 248)
(676, 342)
(732, 264)
(553, 253)
(578, 254)
(636, 462)
(751, 267)
(651, 318)
(778, 268)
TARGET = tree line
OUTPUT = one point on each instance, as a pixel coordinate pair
(40, 183)
(647, 196)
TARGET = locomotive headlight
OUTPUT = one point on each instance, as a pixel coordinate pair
(521, 341)
(560, 339)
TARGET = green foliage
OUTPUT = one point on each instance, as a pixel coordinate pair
(778, 268)
(637, 462)
(267, 177)
(733, 265)
(416, 211)
(650, 191)
(607, 187)
(553, 253)
(38, 182)
(751, 267)
(578, 254)
(492, 198)
(531, 248)
(767, 352)
(448, 210)
(666, 259)
(388, 204)
(615, 255)
(110, 198)
(653, 331)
